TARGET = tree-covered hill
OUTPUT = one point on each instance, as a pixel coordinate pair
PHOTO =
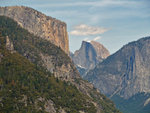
(26, 88)
(34, 60)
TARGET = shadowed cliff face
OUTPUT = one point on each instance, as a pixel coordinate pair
(39, 24)
(86, 56)
(89, 55)
(125, 73)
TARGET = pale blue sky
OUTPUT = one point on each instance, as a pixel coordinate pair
(113, 23)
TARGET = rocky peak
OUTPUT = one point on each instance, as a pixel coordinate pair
(102, 52)
(6, 43)
(89, 55)
(39, 24)
(125, 73)
(9, 45)
(85, 56)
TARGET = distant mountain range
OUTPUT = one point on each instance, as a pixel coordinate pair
(36, 75)
(88, 56)
(125, 77)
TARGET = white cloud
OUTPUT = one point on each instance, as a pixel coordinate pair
(97, 38)
(85, 30)
(86, 39)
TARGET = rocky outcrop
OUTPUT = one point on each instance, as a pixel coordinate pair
(125, 73)
(39, 24)
(89, 55)
(9, 45)
(48, 106)
(65, 72)
(53, 60)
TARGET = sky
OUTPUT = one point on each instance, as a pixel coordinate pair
(113, 23)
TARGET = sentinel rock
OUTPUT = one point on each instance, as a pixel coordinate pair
(39, 24)
(89, 55)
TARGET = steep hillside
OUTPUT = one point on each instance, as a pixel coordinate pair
(26, 88)
(88, 56)
(39, 24)
(37, 50)
(138, 103)
(52, 59)
(125, 73)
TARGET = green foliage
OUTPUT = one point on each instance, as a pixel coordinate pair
(20, 78)
(135, 104)
(107, 105)
(25, 42)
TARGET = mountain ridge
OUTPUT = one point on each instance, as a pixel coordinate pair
(53, 60)
(124, 58)
(125, 73)
(24, 87)
(89, 55)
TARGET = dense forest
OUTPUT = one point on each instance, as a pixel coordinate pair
(26, 86)
(23, 84)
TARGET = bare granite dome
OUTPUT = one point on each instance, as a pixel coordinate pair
(89, 55)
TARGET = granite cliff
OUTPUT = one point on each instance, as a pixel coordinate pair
(25, 87)
(39, 24)
(88, 56)
(52, 59)
(125, 73)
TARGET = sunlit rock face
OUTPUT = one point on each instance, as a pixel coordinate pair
(52, 60)
(39, 24)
